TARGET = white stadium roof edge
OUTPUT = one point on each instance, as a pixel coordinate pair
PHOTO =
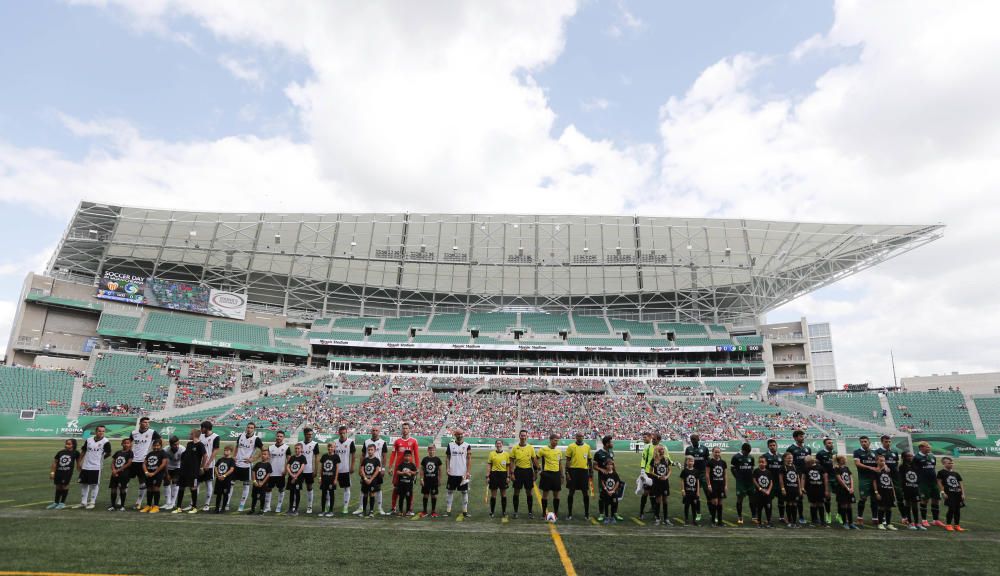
(633, 267)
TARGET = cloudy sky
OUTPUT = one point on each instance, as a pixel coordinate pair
(847, 111)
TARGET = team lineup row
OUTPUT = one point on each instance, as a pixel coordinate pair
(889, 480)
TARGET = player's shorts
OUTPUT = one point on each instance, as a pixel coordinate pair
(308, 478)
(135, 470)
(864, 488)
(953, 500)
(344, 479)
(371, 488)
(578, 479)
(888, 499)
(718, 490)
(815, 494)
(844, 498)
(156, 480)
(173, 476)
(207, 474)
(910, 495)
(189, 481)
(429, 488)
(276, 483)
(834, 486)
(498, 480)
(119, 481)
(90, 476)
(691, 498)
(660, 488)
(791, 495)
(224, 485)
(404, 490)
(241, 475)
(549, 482)
(929, 492)
(327, 482)
(455, 483)
(63, 478)
(524, 478)
(745, 488)
(761, 498)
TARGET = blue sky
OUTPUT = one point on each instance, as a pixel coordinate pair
(808, 110)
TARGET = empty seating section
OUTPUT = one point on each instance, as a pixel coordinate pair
(661, 387)
(289, 333)
(596, 342)
(683, 329)
(356, 323)
(240, 332)
(405, 323)
(634, 328)
(808, 399)
(989, 413)
(358, 336)
(748, 340)
(175, 325)
(860, 405)
(490, 340)
(718, 331)
(447, 323)
(491, 322)
(125, 384)
(656, 342)
(48, 391)
(734, 387)
(703, 342)
(389, 338)
(590, 324)
(545, 323)
(440, 339)
(322, 323)
(118, 323)
(930, 412)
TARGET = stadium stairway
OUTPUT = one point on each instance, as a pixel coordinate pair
(890, 421)
(977, 422)
(74, 403)
(811, 411)
(171, 394)
(234, 399)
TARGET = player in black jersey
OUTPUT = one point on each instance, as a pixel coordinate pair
(816, 489)
(763, 484)
(611, 487)
(691, 488)
(430, 470)
(864, 462)
(717, 486)
(790, 490)
(845, 491)
(824, 458)
(885, 493)
(407, 474)
(154, 467)
(61, 473)
(909, 504)
(774, 465)
(295, 468)
(659, 470)
(121, 463)
(328, 465)
(225, 467)
(742, 465)
(260, 476)
(371, 481)
(953, 494)
(191, 461)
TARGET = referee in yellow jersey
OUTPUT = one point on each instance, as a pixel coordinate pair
(525, 462)
(552, 470)
(497, 468)
(578, 474)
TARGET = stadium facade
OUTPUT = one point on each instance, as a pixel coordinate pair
(659, 285)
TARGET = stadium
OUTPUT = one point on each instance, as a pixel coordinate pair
(485, 323)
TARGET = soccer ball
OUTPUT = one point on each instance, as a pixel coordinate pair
(550, 517)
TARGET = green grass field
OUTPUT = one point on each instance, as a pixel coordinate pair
(33, 539)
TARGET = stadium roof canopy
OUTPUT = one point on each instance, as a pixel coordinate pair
(307, 265)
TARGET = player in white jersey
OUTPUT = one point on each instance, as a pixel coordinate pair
(95, 450)
(344, 448)
(142, 441)
(207, 478)
(247, 445)
(381, 451)
(310, 449)
(458, 461)
(279, 453)
(174, 453)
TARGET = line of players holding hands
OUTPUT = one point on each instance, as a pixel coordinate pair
(793, 478)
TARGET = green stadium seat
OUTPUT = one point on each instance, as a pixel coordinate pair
(734, 387)
(591, 325)
(126, 384)
(634, 328)
(682, 329)
(389, 338)
(47, 391)
(175, 325)
(989, 413)
(440, 339)
(289, 333)
(545, 323)
(930, 411)
(240, 332)
(861, 405)
(447, 323)
(492, 322)
(596, 342)
(404, 323)
(115, 322)
(356, 323)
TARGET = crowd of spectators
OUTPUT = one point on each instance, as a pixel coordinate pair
(482, 415)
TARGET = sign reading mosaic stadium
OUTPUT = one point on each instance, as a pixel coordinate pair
(194, 298)
(122, 288)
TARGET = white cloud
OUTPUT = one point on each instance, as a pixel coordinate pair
(625, 21)
(243, 69)
(595, 104)
(907, 133)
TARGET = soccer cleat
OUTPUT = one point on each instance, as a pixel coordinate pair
(949, 527)
(938, 523)
(62, 505)
(370, 516)
(176, 511)
(656, 522)
(240, 509)
(359, 512)
(739, 522)
(491, 515)
(531, 515)
(52, 506)
(345, 511)
(570, 517)
(250, 511)
(619, 518)
(828, 518)
(193, 510)
(925, 524)
(881, 527)
(154, 510)
(891, 527)
(667, 522)
(382, 512)
(435, 515)
(121, 508)
(959, 528)
(309, 510)
(145, 509)
(914, 527)
(921, 527)
(466, 514)
(206, 508)
(89, 506)
(697, 518)
(112, 508)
